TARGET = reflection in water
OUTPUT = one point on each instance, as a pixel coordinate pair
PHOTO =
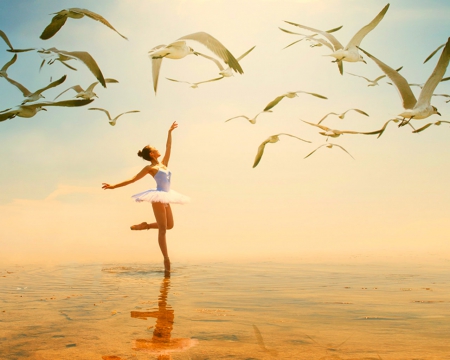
(261, 344)
(161, 343)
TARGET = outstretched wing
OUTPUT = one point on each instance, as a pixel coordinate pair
(97, 17)
(337, 45)
(89, 61)
(105, 111)
(9, 63)
(5, 38)
(259, 153)
(57, 23)
(217, 48)
(433, 53)
(273, 102)
(52, 84)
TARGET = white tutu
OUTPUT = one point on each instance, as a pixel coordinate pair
(166, 197)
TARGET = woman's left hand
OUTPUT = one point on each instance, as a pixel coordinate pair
(174, 126)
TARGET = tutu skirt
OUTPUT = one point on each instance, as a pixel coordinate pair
(165, 197)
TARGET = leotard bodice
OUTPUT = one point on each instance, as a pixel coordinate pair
(162, 178)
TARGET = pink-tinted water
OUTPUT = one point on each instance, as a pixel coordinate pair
(225, 311)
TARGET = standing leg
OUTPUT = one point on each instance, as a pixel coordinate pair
(159, 210)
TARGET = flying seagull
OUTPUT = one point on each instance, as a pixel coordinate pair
(271, 139)
(88, 93)
(34, 96)
(328, 145)
(437, 123)
(196, 84)
(336, 133)
(29, 110)
(75, 13)
(179, 49)
(374, 82)
(251, 120)
(311, 37)
(342, 115)
(112, 121)
(290, 95)
(421, 108)
(4, 69)
(350, 52)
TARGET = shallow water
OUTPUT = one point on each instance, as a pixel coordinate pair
(225, 311)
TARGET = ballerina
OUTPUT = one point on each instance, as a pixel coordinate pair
(161, 197)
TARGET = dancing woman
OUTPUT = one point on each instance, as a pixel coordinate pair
(161, 197)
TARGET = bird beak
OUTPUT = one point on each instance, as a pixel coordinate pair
(439, 113)
(364, 61)
(44, 109)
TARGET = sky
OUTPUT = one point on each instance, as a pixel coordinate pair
(391, 199)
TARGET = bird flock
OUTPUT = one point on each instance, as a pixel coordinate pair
(228, 65)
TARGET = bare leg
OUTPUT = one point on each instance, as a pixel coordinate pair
(169, 217)
(159, 209)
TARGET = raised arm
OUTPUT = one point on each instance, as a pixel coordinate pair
(140, 175)
(166, 158)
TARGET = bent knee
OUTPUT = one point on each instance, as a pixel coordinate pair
(170, 226)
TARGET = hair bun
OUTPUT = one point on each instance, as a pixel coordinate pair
(139, 153)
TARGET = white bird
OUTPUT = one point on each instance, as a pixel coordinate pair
(75, 13)
(342, 115)
(228, 71)
(34, 96)
(29, 110)
(328, 145)
(112, 121)
(290, 95)
(53, 54)
(4, 69)
(374, 82)
(251, 120)
(311, 37)
(421, 108)
(350, 52)
(179, 49)
(88, 93)
(437, 123)
(271, 139)
(336, 133)
(196, 84)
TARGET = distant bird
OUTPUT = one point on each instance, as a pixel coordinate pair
(4, 69)
(290, 95)
(34, 96)
(228, 71)
(53, 54)
(88, 93)
(444, 95)
(29, 110)
(422, 84)
(375, 81)
(251, 120)
(421, 108)
(311, 37)
(179, 49)
(328, 145)
(342, 115)
(350, 52)
(437, 123)
(112, 121)
(271, 139)
(336, 133)
(196, 84)
(75, 13)
(433, 53)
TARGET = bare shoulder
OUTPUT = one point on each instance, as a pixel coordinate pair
(152, 170)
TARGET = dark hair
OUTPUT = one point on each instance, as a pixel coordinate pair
(145, 153)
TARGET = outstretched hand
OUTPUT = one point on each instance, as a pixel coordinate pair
(106, 186)
(173, 126)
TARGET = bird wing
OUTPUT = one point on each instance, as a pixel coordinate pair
(89, 61)
(57, 23)
(331, 113)
(96, 17)
(435, 77)
(105, 111)
(365, 77)
(238, 117)
(5, 38)
(77, 88)
(215, 79)
(357, 110)
(323, 42)
(156, 66)
(217, 62)
(352, 158)
(9, 63)
(70, 103)
(408, 98)
(312, 152)
(433, 53)
(293, 43)
(357, 38)
(217, 48)
(22, 88)
(260, 153)
(126, 112)
(318, 125)
(180, 81)
(337, 45)
(8, 114)
(52, 84)
(293, 137)
(273, 102)
(422, 128)
(313, 94)
(245, 54)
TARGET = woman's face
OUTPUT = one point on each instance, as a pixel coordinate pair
(154, 153)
